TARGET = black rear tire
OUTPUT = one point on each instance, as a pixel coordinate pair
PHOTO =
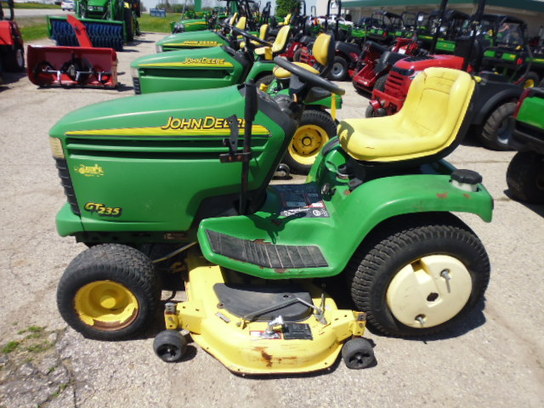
(109, 292)
(396, 275)
(339, 70)
(15, 61)
(129, 25)
(525, 177)
(495, 134)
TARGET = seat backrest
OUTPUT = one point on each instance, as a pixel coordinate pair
(436, 105)
(242, 23)
(280, 43)
(233, 19)
(323, 49)
(287, 20)
(263, 31)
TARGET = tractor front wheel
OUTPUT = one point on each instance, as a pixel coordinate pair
(419, 280)
(109, 292)
(315, 129)
(495, 133)
(525, 177)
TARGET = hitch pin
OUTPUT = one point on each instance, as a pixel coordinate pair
(446, 275)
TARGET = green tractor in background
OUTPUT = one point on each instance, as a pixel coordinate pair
(109, 23)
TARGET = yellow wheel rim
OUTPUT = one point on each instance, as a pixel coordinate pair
(107, 305)
(529, 83)
(429, 291)
(307, 143)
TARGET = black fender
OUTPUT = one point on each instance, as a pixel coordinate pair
(490, 94)
(346, 49)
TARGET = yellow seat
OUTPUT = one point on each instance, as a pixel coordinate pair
(287, 20)
(428, 123)
(242, 23)
(263, 33)
(277, 47)
(321, 51)
(282, 73)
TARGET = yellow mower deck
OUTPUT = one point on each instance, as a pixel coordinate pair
(245, 346)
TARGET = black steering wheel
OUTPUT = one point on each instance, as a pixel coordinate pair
(309, 77)
(250, 36)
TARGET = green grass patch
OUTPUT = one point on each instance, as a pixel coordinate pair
(11, 346)
(33, 28)
(157, 24)
(31, 6)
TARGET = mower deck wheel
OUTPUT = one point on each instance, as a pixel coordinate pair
(358, 353)
(170, 346)
(109, 292)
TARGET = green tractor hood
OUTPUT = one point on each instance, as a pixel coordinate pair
(151, 163)
(195, 39)
(186, 69)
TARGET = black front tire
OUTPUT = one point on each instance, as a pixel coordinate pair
(339, 70)
(397, 275)
(380, 83)
(170, 346)
(316, 128)
(109, 292)
(525, 177)
(495, 133)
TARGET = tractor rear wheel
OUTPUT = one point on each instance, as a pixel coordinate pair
(525, 177)
(109, 292)
(15, 61)
(495, 133)
(129, 25)
(315, 129)
(418, 278)
(339, 69)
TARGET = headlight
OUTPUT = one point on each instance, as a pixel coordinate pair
(56, 148)
(158, 48)
(96, 8)
(134, 72)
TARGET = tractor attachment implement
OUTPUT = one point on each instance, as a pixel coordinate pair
(73, 66)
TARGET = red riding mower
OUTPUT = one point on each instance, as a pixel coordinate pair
(12, 57)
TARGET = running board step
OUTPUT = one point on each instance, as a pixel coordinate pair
(265, 254)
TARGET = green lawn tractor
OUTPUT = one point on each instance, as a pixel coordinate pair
(188, 174)
(110, 23)
(217, 67)
(242, 18)
(525, 175)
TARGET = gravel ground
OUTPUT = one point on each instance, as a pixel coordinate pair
(495, 359)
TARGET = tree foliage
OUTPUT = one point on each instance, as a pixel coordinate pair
(284, 7)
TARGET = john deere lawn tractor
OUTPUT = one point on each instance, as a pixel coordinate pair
(109, 23)
(242, 17)
(188, 174)
(223, 66)
(525, 175)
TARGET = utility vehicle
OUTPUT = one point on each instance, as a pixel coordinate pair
(525, 175)
(189, 173)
